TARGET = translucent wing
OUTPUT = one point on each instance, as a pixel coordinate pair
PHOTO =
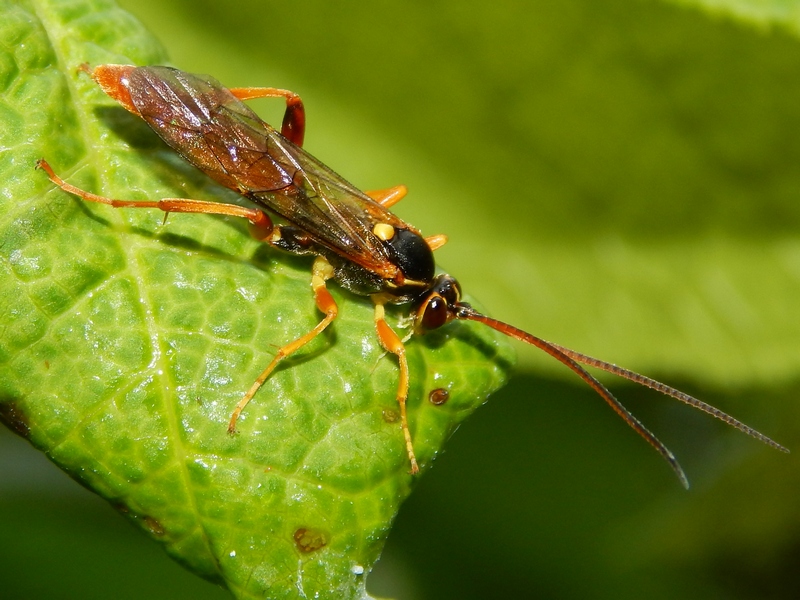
(212, 129)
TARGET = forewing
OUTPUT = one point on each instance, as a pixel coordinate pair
(212, 129)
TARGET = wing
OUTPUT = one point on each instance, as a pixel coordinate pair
(216, 132)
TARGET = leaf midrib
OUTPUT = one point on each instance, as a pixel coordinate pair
(157, 364)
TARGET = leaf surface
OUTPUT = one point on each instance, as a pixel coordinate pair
(126, 342)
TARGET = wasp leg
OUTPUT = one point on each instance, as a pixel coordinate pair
(320, 273)
(294, 119)
(392, 343)
(436, 241)
(261, 229)
(389, 196)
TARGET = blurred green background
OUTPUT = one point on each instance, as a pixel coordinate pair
(619, 177)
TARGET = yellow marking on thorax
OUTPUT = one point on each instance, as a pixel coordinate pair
(383, 231)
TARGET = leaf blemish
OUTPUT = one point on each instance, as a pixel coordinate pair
(389, 415)
(439, 396)
(154, 526)
(309, 540)
(14, 418)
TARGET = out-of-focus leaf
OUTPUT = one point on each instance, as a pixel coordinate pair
(763, 13)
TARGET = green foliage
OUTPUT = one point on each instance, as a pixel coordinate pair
(763, 13)
(620, 177)
(128, 341)
(631, 164)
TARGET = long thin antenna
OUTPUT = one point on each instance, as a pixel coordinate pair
(570, 358)
(671, 392)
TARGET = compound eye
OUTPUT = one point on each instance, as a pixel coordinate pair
(434, 313)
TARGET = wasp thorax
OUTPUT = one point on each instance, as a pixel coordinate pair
(412, 255)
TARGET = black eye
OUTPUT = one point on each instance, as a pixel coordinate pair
(434, 313)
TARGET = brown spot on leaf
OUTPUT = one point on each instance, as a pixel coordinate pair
(154, 526)
(390, 416)
(439, 396)
(309, 540)
(14, 418)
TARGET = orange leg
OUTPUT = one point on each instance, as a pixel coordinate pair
(436, 241)
(294, 119)
(321, 272)
(389, 196)
(392, 343)
(262, 225)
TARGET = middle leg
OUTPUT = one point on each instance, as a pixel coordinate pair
(293, 127)
(321, 272)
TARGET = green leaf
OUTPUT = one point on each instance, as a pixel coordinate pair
(631, 164)
(620, 177)
(126, 341)
(762, 13)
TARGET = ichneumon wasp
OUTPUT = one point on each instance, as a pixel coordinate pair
(356, 240)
